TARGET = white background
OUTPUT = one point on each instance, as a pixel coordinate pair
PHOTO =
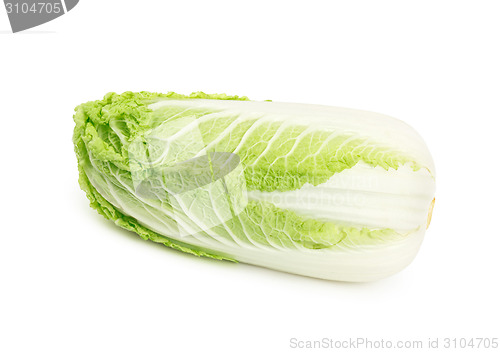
(71, 281)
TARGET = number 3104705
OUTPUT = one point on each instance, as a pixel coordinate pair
(39, 7)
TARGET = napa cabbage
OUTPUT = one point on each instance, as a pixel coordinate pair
(319, 191)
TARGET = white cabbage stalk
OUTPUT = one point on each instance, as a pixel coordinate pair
(326, 192)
